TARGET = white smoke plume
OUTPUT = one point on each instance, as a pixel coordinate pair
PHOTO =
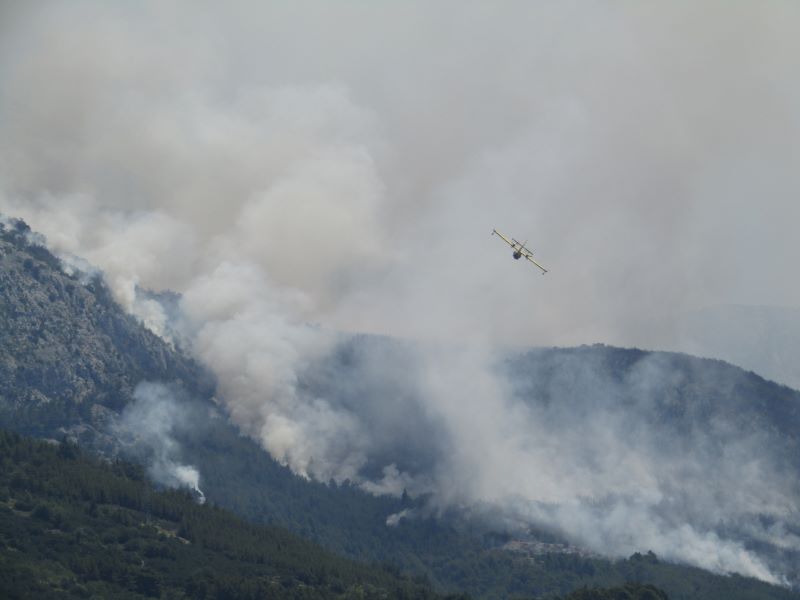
(601, 470)
(147, 427)
(298, 169)
(606, 457)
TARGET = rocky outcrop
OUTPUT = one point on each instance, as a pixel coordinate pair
(70, 357)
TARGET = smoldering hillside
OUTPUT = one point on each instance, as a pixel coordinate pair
(614, 449)
(294, 171)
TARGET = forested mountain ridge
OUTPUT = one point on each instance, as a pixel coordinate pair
(75, 372)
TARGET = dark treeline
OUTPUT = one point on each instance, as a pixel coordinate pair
(74, 526)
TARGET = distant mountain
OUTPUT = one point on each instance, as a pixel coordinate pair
(764, 339)
(71, 363)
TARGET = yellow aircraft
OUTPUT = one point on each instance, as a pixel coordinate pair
(519, 250)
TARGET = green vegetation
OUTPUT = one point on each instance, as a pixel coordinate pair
(631, 591)
(74, 526)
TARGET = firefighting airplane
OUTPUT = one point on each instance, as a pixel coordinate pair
(519, 250)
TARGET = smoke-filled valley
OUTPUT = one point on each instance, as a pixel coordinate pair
(293, 205)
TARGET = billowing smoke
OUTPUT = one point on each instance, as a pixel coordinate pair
(617, 450)
(294, 170)
(146, 429)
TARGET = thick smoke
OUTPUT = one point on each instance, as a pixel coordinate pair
(658, 454)
(298, 169)
(146, 428)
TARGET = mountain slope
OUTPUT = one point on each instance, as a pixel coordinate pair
(765, 339)
(75, 371)
(72, 526)
(69, 352)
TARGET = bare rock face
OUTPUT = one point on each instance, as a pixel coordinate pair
(69, 355)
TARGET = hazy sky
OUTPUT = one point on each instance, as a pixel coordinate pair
(362, 152)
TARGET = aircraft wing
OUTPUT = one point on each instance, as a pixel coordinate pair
(504, 238)
(530, 258)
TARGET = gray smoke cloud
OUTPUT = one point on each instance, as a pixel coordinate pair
(659, 454)
(294, 170)
(146, 428)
